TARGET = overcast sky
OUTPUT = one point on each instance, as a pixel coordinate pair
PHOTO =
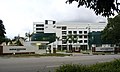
(18, 15)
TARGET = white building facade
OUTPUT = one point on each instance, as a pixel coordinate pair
(70, 36)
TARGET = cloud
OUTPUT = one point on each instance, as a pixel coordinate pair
(19, 15)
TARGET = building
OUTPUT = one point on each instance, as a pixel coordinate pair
(99, 45)
(70, 36)
(29, 47)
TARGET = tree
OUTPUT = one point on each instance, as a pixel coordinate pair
(28, 35)
(2, 32)
(7, 40)
(104, 7)
(72, 38)
(111, 33)
(17, 41)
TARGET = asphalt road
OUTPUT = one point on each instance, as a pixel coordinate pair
(44, 64)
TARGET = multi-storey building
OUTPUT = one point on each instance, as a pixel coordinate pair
(69, 35)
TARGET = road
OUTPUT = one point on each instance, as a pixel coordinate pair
(44, 64)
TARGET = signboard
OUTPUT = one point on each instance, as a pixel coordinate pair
(104, 49)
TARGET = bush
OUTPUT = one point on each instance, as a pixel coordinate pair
(72, 68)
(113, 66)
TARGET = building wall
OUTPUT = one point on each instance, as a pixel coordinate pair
(62, 30)
(38, 27)
(17, 49)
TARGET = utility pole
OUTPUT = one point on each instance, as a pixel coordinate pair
(89, 29)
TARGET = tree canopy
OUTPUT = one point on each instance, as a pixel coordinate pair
(112, 30)
(2, 32)
(100, 7)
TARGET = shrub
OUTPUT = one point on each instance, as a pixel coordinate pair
(113, 66)
(72, 68)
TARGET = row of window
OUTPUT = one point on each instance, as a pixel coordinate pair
(74, 32)
(63, 27)
(40, 25)
(18, 49)
(39, 28)
(80, 36)
(75, 41)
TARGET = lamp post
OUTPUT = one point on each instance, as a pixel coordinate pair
(89, 29)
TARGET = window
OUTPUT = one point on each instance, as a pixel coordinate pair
(39, 32)
(75, 36)
(42, 47)
(58, 27)
(64, 47)
(80, 36)
(64, 37)
(39, 28)
(85, 32)
(85, 36)
(64, 28)
(75, 32)
(39, 25)
(75, 41)
(80, 32)
(64, 32)
(69, 32)
(64, 41)
(54, 26)
(70, 36)
(85, 41)
(80, 41)
(46, 21)
(54, 22)
(70, 41)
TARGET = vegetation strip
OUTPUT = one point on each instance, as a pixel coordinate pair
(35, 55)
(113, 66)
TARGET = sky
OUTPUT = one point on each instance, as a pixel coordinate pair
(18, 15)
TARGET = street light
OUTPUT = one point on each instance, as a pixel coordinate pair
(89, 29)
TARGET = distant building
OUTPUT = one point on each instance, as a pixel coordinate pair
(70, 36)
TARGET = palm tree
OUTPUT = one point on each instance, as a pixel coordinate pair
(72, 39)
(28, 35)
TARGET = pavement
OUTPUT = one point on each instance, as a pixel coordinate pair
(46, 64)
(75, 54)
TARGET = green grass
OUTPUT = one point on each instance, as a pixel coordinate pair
(35, 55)
(113, 66)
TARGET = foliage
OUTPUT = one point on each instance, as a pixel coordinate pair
(72, 68)
(104, 7)
(2, 32)
(35, 55)
(113, 66)
(17, 40)
(72, 38)
(29, 35)
(7, 40)
(18, 43)
(111, 32)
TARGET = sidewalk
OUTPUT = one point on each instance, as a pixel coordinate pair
(75, 54)
(80, 54)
